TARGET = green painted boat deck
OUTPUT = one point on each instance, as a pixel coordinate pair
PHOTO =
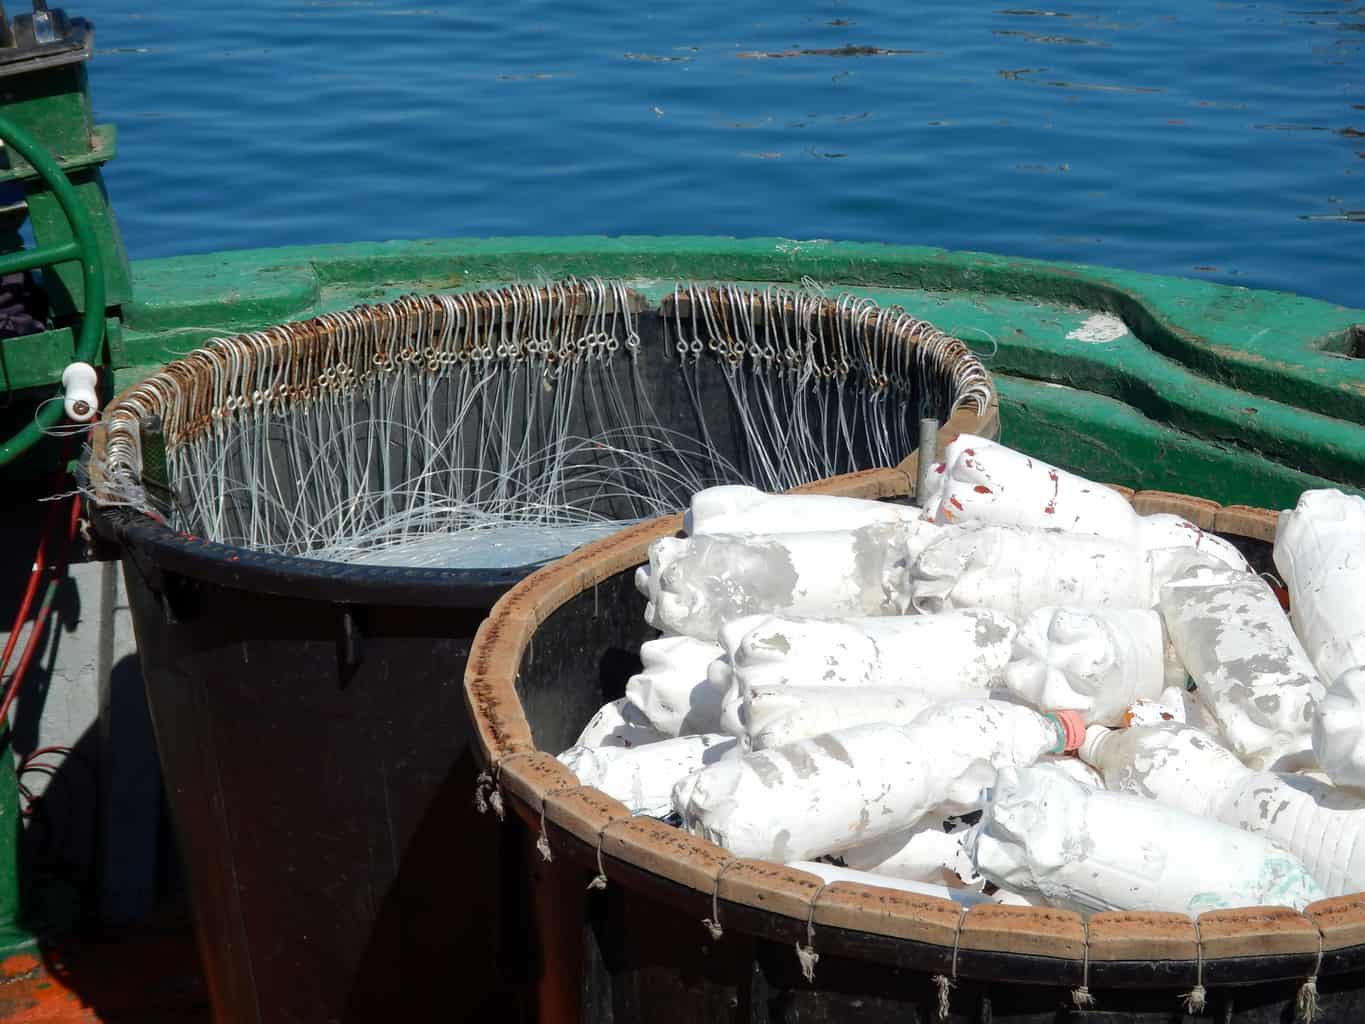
(1241, 396)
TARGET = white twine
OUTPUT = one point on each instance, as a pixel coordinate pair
(1308, 992)
(712, 923)
(946, 984)
(806, 954)
(1081, 997)
(599, 880)
(1197, 998)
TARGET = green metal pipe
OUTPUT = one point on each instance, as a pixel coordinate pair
(83, 249)
(27, 259)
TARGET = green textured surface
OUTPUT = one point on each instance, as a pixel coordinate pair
(52, 105)
(38, 422)
(36, 360)
(1240, 395)
(103, 148)
(1109, 441)
(50, 227)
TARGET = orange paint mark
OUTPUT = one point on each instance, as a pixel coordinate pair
(956, 504)
(147, 978)
(982, 489)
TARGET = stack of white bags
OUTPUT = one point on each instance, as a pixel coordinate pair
(1022, 692)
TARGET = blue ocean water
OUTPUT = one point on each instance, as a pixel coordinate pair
(1217, 140)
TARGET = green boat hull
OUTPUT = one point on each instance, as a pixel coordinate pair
(1238, 395)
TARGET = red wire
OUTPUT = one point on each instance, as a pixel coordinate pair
(39, 563)
(39, 567)
(40, 623)
(46, 750)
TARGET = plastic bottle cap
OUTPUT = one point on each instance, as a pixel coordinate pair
(1095, 739)
(1072, 728)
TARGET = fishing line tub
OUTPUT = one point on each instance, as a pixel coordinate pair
(308, 712)
(620, 905)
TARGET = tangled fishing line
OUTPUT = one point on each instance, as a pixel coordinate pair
(420, 431)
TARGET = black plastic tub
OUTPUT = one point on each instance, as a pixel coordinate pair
(309, 715)
(314, 741)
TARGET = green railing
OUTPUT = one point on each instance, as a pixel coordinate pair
(82, 247)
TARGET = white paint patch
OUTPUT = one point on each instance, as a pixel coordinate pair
(1099, 329)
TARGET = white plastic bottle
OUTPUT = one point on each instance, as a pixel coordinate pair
(983, 481)
(1088, 850)
(643, 778)
(618, 723)
(923, 853)
(1075, 769)
(1095, 661)
(1163, 530)
(1179, 705)
(694, 585)
(739, 509)
(1339, 730)
(769, 716)
(1184, 768)
(673, 689)
(1320, 552)
(1018, 571)
(1250, 669)
(940, 655)
(849, 787)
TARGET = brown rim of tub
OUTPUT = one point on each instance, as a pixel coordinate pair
(998, 943)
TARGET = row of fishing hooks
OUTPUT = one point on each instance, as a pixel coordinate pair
(366, 429)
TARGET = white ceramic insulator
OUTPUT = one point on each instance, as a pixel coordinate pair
(1320, 552)
(1249, 668)
(1097, 661)
(673, 690)
(80, 397)
(738, 509)
(643, 778)
(1089, 850)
